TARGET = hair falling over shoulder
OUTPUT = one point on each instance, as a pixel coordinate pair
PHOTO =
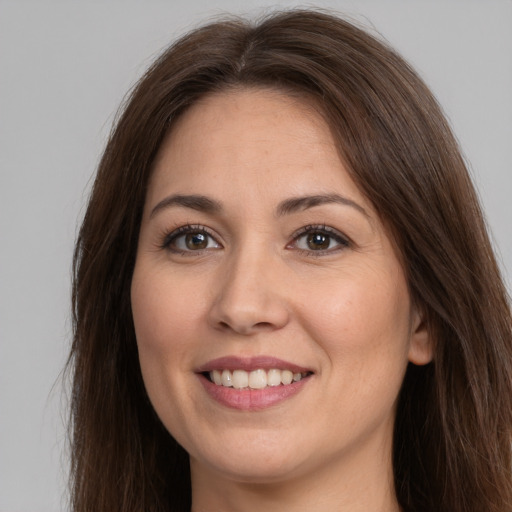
(453, 431)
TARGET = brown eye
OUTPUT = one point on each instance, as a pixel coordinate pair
(318, 241)
(189, 239)
(196, 241)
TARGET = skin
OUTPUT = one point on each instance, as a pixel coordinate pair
(260, 286)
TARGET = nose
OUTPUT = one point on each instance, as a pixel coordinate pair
(251, 295)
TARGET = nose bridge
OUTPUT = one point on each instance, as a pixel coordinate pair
(250, 296)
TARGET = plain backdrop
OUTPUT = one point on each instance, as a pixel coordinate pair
(65, 67)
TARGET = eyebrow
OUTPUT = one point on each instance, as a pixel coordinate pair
(195, 202)
(286, 207)
(296, 204)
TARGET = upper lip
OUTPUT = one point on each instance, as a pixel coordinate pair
(250, 364)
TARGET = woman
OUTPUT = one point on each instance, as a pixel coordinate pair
(284, 293)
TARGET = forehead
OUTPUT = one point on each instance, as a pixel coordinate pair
(259, 140)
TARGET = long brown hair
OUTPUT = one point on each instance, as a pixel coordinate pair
(452, 440)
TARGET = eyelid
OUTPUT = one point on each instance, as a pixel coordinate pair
(169, 237)
(343, 240)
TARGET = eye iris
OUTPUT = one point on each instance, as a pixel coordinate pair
(318, 241)
(196, 241)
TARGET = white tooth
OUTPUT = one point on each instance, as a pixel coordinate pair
(258, 379)
(216, 377)
(226, 378)
(286, 377)
(297, 377)
(274, 377)
(240, 379)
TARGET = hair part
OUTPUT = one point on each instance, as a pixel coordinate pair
(452, 440)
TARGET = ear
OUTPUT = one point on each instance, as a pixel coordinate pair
(421, 347)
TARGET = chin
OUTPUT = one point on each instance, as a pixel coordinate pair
(265, 463)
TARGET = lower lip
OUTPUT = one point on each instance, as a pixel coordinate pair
(251, 399)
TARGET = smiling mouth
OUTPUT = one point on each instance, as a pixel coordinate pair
(256, 379)
(252, 383)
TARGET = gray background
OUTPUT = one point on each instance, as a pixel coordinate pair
(64, 68)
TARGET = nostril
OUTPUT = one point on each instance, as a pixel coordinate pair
(245, 329)
(263, 325)
(245, 317)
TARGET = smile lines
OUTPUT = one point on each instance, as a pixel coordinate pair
(256, 379)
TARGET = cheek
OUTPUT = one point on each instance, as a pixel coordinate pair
(163, 320)
(363, 319)
(163, 315)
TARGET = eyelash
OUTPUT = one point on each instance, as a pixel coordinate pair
(342, 241)
(333, 234)
(174, 235)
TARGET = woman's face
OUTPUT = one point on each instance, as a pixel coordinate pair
(260, 261)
